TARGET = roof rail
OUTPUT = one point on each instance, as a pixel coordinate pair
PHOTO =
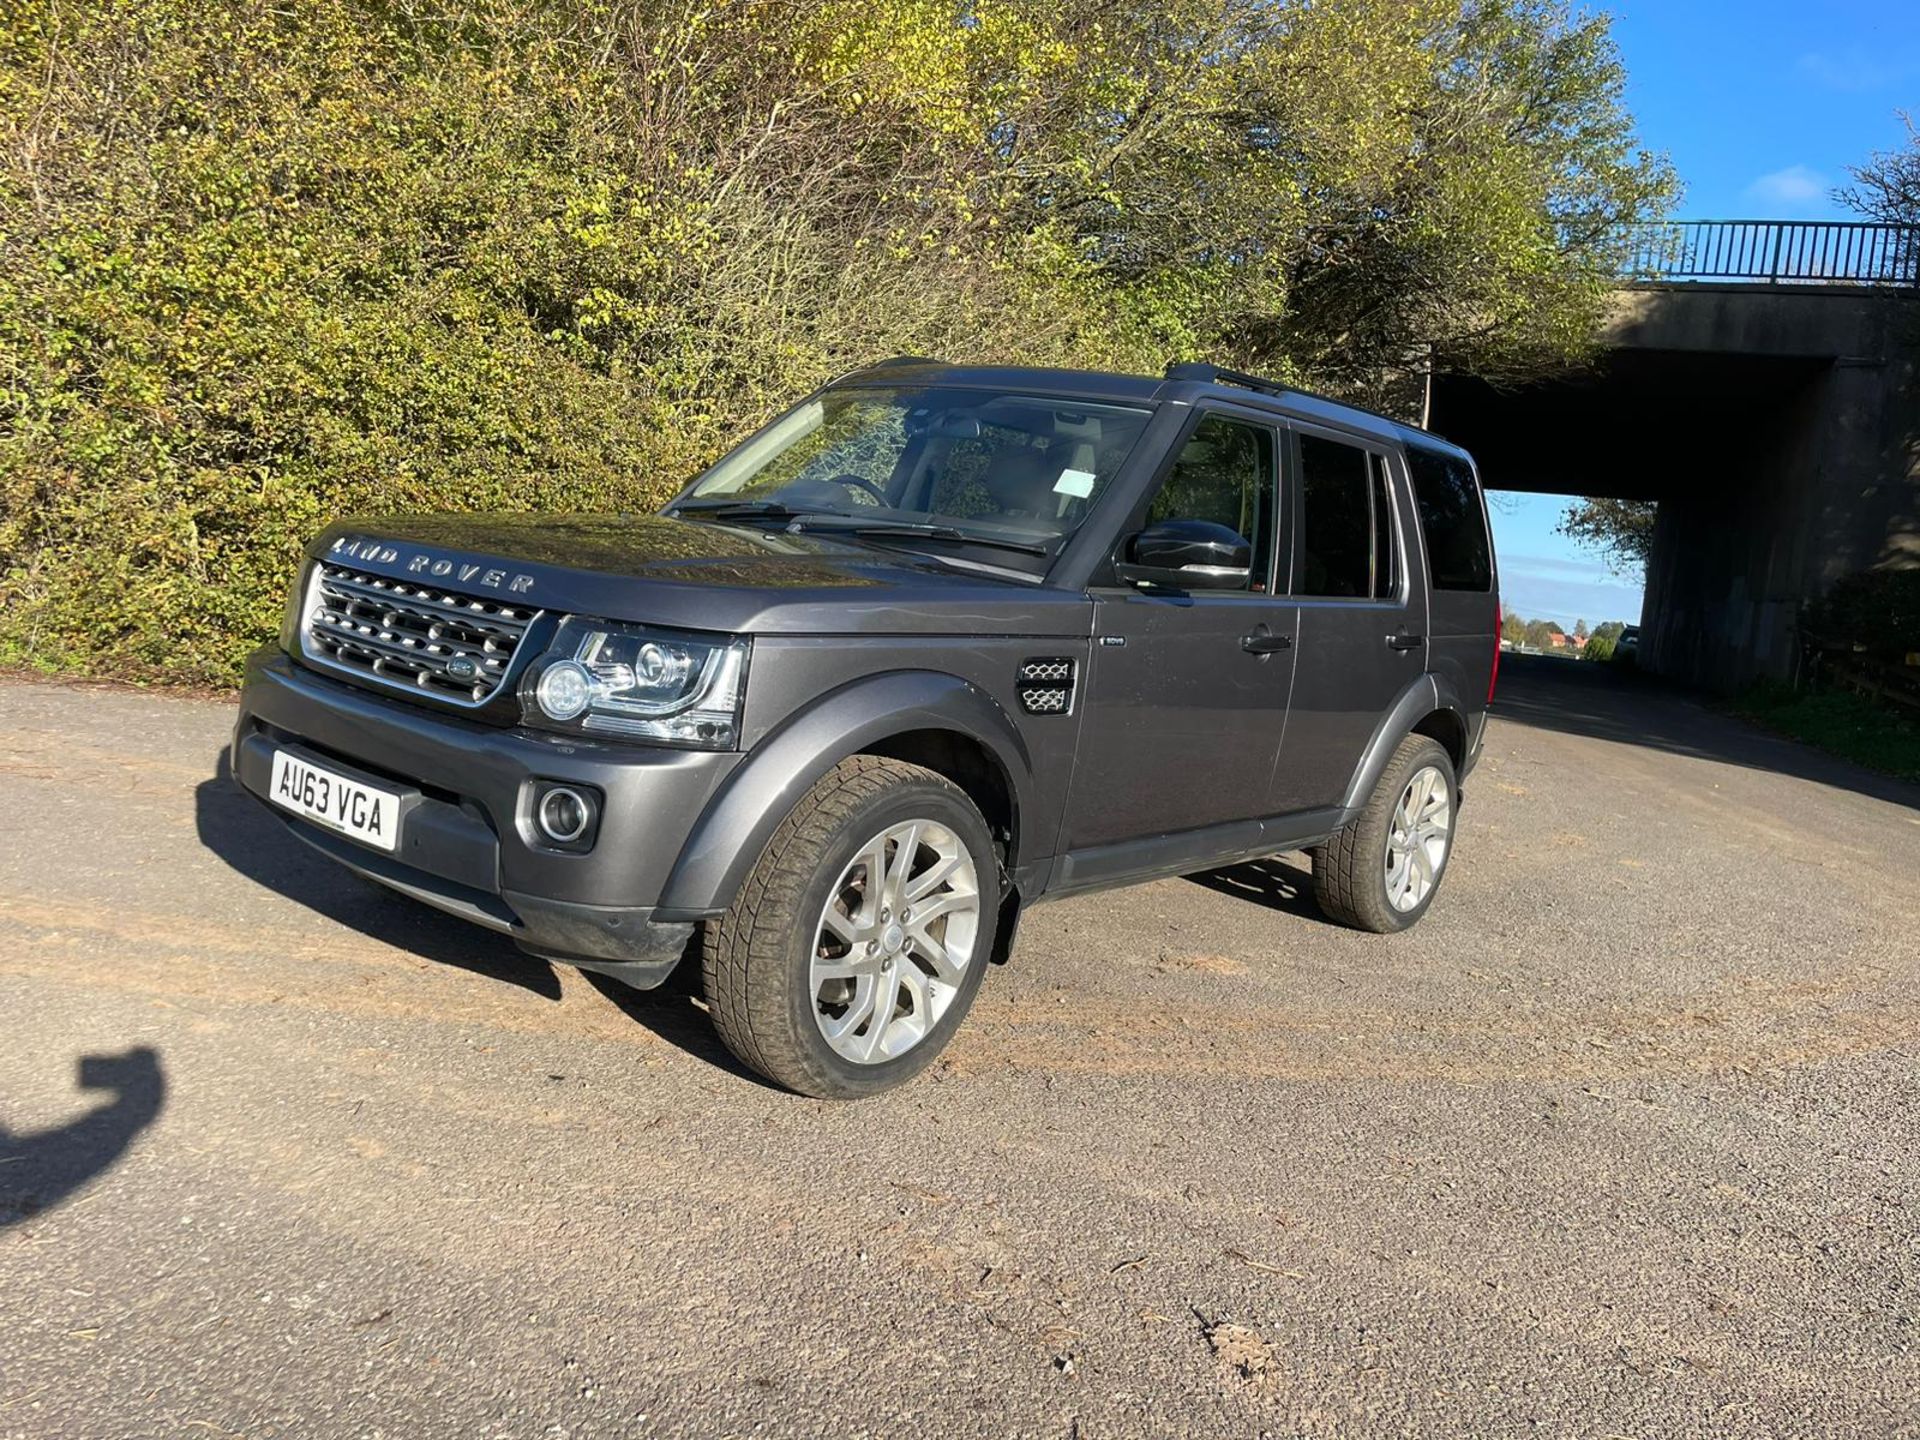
(1206, 374)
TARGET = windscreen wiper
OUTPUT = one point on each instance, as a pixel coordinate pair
(746, 509)
(908, 531)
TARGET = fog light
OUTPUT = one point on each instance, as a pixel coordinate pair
(565, 690)
(564, 815)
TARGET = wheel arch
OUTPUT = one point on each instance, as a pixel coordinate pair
(967, 762)
(925, 717)
(1419, 709)
(1448, 726)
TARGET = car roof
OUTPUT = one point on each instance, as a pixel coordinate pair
(1184, 386)
(912, 370)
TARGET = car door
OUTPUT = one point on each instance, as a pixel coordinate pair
(1186, 698)
(1362, 616)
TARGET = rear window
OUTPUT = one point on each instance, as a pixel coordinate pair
(1454, 520)
(1346, 521)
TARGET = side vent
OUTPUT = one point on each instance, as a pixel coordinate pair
(1046, 685)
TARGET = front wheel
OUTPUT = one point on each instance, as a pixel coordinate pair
(1381, 871)
(857, 943)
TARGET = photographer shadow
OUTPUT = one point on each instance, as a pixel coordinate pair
(39, 1171)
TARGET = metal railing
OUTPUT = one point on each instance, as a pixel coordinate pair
(1774, 252)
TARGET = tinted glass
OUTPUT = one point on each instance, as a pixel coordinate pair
(1336, 519)
(1453, 519)
(1226, 474)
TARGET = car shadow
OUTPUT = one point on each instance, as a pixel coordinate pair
(676, 1012)
(1270, 881)
(244, 834)
(38, 1171)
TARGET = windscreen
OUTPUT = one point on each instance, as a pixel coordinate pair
(999, 465)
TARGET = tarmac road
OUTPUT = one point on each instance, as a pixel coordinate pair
(1620, 1142)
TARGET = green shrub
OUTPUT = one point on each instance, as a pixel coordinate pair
(269, 265)
(1876, 609)
(263, 265)
(1839, 722)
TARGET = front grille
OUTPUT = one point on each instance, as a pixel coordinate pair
(458, 647)
(1046, 685)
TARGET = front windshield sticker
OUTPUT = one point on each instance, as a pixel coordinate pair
(1077, 483)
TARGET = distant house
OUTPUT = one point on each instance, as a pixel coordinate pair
(1559, 641)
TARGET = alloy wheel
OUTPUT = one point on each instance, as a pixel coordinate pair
(894, 941)
(1417, 842)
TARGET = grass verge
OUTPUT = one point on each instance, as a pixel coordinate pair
(1840, 723)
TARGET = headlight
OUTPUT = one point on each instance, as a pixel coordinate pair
(638, 682)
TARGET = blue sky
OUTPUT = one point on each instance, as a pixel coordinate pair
(1761, 107)
(1547, 577)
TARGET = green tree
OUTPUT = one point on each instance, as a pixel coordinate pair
(1345, 192)
(1580, 629)
(262, 265)
(1620, 531)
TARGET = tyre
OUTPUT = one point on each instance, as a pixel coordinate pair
(1381, 871)
(858, 941)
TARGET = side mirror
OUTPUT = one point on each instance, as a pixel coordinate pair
(1187, 555)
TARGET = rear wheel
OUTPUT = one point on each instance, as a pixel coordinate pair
(859, 940)
(1382, 871)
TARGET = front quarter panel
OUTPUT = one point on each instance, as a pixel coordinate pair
(812, 702)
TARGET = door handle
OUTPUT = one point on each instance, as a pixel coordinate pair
(1401, 640)
(1261, 643)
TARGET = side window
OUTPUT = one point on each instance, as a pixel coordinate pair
(1226, 473)
(1346, 521)
(1453, 518)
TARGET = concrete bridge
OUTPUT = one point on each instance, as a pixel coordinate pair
(1761, 381)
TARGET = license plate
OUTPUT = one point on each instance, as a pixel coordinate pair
(367, 813)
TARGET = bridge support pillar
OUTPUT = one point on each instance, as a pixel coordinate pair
(1807, 486)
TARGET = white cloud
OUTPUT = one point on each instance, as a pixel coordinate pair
(1796, 188)
(1853, 70)
(1563, 565)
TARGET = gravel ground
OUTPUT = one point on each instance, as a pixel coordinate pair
(1619, 1142)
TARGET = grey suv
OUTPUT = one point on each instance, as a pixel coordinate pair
(936, 644)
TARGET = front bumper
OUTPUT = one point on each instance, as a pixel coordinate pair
(468, 845)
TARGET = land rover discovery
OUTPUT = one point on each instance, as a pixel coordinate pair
(937, 644)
